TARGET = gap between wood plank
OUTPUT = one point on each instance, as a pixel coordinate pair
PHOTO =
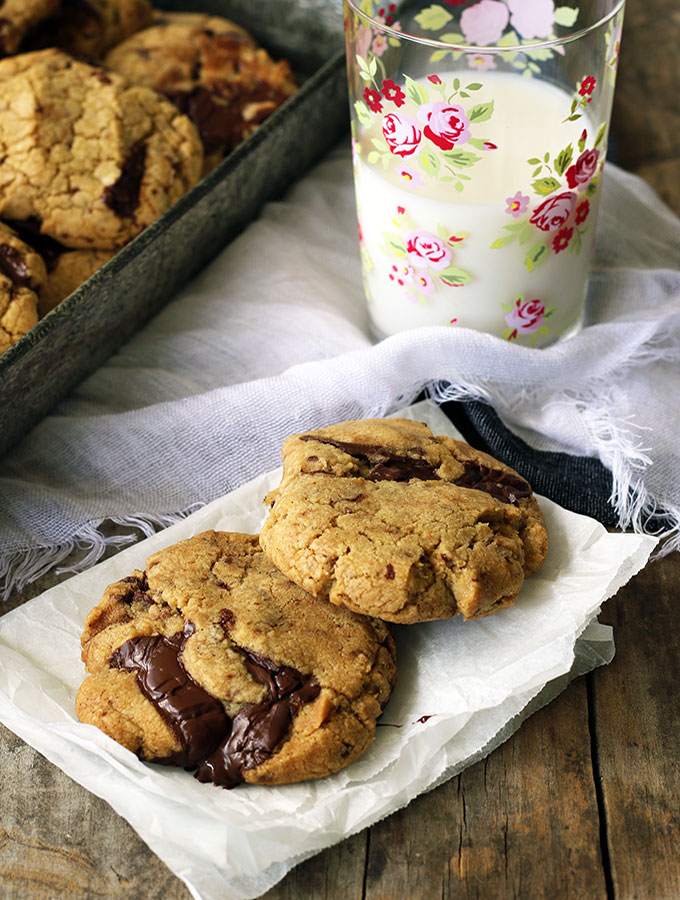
(366, 857)
(599, 793)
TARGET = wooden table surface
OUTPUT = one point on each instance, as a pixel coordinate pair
(582, 802)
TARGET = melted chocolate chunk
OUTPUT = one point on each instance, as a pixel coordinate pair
(227, 620)
(217, 112)
(122, 196)
(138, 589)
(218, 123)
(29, 232)
(13, 266)
(402, 468)
(257, 728)
(384, 465)
(139, 580)
(196, 718)
(221, 748)
(502, 485)
(4, 26)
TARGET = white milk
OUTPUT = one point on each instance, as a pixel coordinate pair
(526, 124)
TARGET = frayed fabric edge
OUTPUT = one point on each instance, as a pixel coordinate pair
(619, 446)
(88, 546)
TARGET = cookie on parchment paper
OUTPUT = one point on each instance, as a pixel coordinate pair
(387, 519)
(210, 658)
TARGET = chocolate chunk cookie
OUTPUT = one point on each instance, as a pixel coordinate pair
(212, 70)
(384, 518)
(85, 156)
(212, 659)
(22, 277)
(89, 28)
(17, 17)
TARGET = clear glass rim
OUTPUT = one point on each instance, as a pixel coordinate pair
(477, 48)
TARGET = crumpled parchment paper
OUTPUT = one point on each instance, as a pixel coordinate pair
(463, 688)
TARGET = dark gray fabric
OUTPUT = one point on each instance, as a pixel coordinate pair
(579, 483)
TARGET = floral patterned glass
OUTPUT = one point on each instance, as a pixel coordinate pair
(479, 131)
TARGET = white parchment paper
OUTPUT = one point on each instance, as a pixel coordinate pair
(463, 688)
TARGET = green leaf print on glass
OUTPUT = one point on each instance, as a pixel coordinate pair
(536, 255)
(545, 186)
(482, 112)
(564, 159)
(432, 18)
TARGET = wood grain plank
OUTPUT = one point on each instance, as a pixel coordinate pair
(521, 823)
(337, 872)
(646, 114)
(59, 842)
(637, 714)
(664, 177)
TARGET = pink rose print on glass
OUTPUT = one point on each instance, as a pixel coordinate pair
(517, 205)
(401, 133)
(426, 251)
(445, 125)
(403, 275)
(481, 61)
(554, 211)
(363, 41)
(484, 22)
(425, 283)
(532, 18)
(526, 317)
(579, 175)
(409, 177)
(379, 44)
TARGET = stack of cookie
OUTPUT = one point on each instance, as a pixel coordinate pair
(109, 112)
(268, 659)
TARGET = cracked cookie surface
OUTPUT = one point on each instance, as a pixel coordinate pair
(212, 70)
(387, 519)
(210, 658)
(86, 157)
(22, 277)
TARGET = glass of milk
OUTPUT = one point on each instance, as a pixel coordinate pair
(479, 132)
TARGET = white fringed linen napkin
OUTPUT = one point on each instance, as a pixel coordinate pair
(272, 338)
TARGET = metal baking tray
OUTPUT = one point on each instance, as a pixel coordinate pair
(77, 336)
